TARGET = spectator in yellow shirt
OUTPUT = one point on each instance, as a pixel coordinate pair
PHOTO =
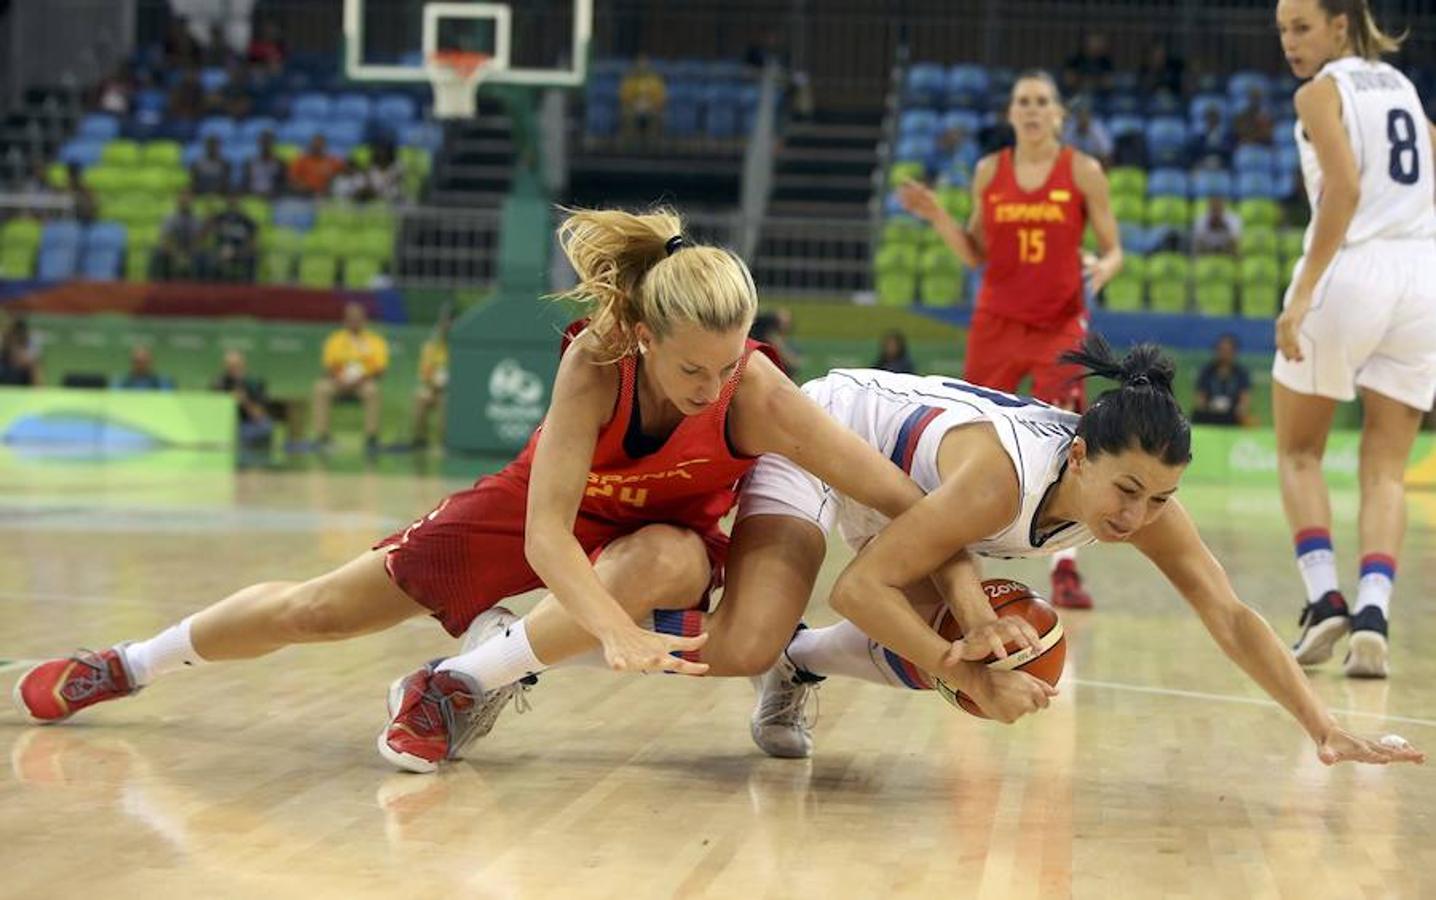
(641, 96)
(433, 378)
(354, 360)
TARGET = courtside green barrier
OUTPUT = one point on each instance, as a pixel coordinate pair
(116, 421)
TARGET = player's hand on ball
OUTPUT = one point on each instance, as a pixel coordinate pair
(919, 199)
(1341, 745)
(992, 638)
(635, 649)
(1008, 696)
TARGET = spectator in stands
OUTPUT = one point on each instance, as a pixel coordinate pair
(1253, 124)
(385, 173)
(179, 247)
(893, 354)
(311, 172)
(1161, 72)
(181, 49)
(264, 172)
(641, 96)
(235, 98)
(19, 355)
(1212, 144)
(142, 375)
(952, 149)
(351, 183)
(86, 208)
(233, 238)
(1088, 134)
(776, 329)
(1224, 388)
(1218, 230)
(433, 378)
(1089, 70)
(187, 98)
(251, 402)
(267, 50)
(355, 358)
(116, 92)
(210, 173)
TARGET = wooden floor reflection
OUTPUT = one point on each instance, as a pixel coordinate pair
(1160, 771)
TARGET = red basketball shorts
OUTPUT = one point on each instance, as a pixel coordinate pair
(1001, 352)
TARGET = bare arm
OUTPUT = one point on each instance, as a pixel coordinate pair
(1173, 544)
(583, 400)
(770, 415)
(1318, 105)
(1092, 182)
(966, 244)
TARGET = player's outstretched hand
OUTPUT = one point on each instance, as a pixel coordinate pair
(919, 199)
(1343, 746)
(993, 638)
(635, 649)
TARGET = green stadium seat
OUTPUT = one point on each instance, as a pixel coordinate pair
(1216, 298)
(57, 175)
(17, 261)
(1168, 210)
(21, 232)
(1260, 300)
(317, 271)
(328, 241)
(1289, 241)
(376, 216)
(1259, 240)
(896, 258)
(277, 267)
(1123, 293)
(120, 153)
(942, 281)
(1127, 181)
(1167, 278)
(1218, 268)
(903, 172)
(162, 153)
(360, 272)
(904, 230)
(137, 262)
(896, 288)
(371, 243)
(1129, 208)
(258, 209)
(1259, 211)
(957, 201)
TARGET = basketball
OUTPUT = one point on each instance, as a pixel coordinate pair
(1011, 598)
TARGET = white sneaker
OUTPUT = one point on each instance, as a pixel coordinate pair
(780, 725)
(479, 720)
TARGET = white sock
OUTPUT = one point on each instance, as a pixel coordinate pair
(1317, 562)
(1061, 556)
(842, 649)
(593, 659)
(499, 661)
(1377, 581)
(166, 652)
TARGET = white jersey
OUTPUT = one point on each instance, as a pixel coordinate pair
(905, 417)
(1387, 128)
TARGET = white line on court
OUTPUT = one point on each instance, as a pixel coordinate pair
(1234, 698)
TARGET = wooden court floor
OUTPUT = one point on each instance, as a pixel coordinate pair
(1159, 772)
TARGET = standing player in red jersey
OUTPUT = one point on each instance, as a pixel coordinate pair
(1031, 205)
(660, 405)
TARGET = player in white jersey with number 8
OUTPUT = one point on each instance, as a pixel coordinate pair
(1360, 314)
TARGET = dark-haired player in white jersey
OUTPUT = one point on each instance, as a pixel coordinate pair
(1010, 477)
(1360, 315)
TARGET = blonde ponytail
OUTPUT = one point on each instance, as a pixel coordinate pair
(627, 275)
(1367, 39)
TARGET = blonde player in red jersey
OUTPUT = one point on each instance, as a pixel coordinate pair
(1360, 315)
(660, 405)
(1031, 205)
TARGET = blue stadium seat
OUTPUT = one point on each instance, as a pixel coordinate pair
(915, 149)
(1197, 109)
(294, 214)
(251, 129)
(1167, 182)
(1256, 184)
(351, 106)
(966, 86)
(1211, 183)
(428, 135)
(344, 131)
(681, 116)
(925, 85)
(1164, 103)
(601, 119)
(105, 236)
(310, 106)
(965, 119)
(1253, 158)
(213, 78)
(915, 122)
(57, 263)
(722, 118)
(396, 109)
(1124, 104)
(1166, 141)
(221, 127)
(1241, 83)
(98, 127)
(101, 264)
(60, 234)
(192, 152)
(239, 152)
(298, 131)
(151, 100)
(1120, 125)
(82, 151)
(1283, 132)
(1288, 159)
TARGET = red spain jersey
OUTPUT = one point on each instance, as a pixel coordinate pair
(691, 480)
(1034, 245)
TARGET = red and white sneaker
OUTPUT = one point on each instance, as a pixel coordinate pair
(1067, 589)
(432, 708)
(58, 688)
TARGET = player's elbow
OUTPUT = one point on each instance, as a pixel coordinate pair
(852, 595)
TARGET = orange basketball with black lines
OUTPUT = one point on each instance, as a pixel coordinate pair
(1011, 598)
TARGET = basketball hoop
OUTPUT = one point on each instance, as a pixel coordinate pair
(455, 75)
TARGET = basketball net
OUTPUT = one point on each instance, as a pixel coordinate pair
(455, 75)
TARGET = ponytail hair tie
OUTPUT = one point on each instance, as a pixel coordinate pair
(674, 244)
(1139, 380)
